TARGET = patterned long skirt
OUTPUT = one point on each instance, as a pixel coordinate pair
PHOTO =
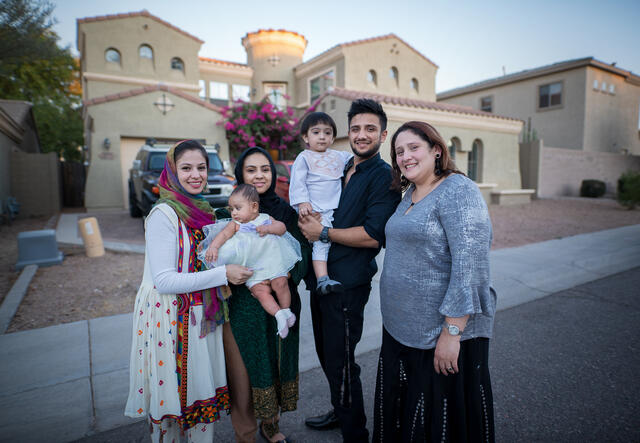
(414, 403)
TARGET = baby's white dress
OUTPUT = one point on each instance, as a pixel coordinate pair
(269, 257)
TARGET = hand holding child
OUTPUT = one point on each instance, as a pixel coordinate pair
(212, 254)
(262, 230)
(305, 209)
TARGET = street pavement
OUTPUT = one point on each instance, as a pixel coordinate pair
(70, 381)
(564, 368)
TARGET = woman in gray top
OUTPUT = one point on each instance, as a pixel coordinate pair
(433, 379)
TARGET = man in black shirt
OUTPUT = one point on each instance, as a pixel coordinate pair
(357, 235)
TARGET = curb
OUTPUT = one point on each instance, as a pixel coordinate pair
(13, 299)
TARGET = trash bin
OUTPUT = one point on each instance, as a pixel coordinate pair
(90, 233)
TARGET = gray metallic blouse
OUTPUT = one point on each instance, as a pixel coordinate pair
(436, 264)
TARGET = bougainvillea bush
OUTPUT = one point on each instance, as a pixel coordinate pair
(261, 124)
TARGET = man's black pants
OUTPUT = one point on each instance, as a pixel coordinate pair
(337, 329)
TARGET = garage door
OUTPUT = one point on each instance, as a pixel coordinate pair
(128, 149)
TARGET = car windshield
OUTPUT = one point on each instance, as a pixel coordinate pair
(156, 161)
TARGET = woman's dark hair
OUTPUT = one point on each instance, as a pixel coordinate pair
(189, 145)
(247, 191)
(315, 118)
(367, 106)
(433, 138)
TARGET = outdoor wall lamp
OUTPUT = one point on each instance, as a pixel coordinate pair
(106, 144)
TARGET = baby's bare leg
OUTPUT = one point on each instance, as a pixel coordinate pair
(262, 293)
(280, 286)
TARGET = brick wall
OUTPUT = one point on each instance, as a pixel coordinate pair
(35, 183)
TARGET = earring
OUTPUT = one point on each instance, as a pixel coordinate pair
(438, 169)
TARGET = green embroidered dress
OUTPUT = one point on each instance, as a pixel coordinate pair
(272, 363)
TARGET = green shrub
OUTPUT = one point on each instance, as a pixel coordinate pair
(592, 188)
(629, 189)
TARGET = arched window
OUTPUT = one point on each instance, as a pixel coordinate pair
(474, 162)
(372, 77)
(177, 64)
(112, 55)
(414, 84)
(393, 73)
(145, 51)
(454, 145)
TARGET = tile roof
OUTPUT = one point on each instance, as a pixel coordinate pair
(143, 13)
(146, 90)
(369, 40)
(350, 94)
(536, 72)
(222, 62)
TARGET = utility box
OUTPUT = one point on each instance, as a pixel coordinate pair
(38, 248)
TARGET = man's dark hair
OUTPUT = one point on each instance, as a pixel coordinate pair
(367, 106)
(247, 191)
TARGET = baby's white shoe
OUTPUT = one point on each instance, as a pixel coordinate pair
(281, 319)
(291, 317)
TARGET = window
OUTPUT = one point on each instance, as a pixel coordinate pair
(320, 85)
(218, 91)
(372, 77)
(473, 161)
(145, 51)
(414, 84)
(177, 64)
(550, 95)
(112, 55)
(240, 92)
(612, 89)
(595, 85)
(604, 86)
(276, 94)
(393, 73)
(454, 145)
(203, 92)
(486, 104)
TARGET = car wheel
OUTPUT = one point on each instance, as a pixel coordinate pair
(134, 209)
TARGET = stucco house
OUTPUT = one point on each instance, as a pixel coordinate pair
(581, 121)
(142, 78)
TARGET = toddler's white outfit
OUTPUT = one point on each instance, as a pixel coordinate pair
(316, 179)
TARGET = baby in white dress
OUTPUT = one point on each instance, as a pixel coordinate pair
(260, 243)
(316, 185)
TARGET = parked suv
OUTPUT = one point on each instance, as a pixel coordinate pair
(146, 169)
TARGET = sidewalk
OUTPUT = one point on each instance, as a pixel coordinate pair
(64, 382)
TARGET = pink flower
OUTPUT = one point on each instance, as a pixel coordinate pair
(252, 115)
(264, 139)
(229, 126)
(311, 108)
(282, 147)
(289, 112)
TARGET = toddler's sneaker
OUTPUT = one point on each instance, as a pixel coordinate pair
(281, 319)
(327, 286)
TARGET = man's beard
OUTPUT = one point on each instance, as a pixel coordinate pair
(367, 154)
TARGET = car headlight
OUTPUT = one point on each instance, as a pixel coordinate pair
(226, 190)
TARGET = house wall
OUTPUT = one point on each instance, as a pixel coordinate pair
(561, 126)
(556, 172)
(126, 35)
(359, 59)
(611, 118)
(113, 120)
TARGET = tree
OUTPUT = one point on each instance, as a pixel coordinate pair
(34, 68)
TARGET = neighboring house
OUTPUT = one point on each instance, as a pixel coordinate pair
(580, 104)
(28, 175)
(581, 121)
(142, 77)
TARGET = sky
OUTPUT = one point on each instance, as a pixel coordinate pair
(470, 41)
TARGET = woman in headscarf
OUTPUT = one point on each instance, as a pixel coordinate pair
(262, 368)
(177, 368)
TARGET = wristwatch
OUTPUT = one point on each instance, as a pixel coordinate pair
(453, 329)
(324, 235)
